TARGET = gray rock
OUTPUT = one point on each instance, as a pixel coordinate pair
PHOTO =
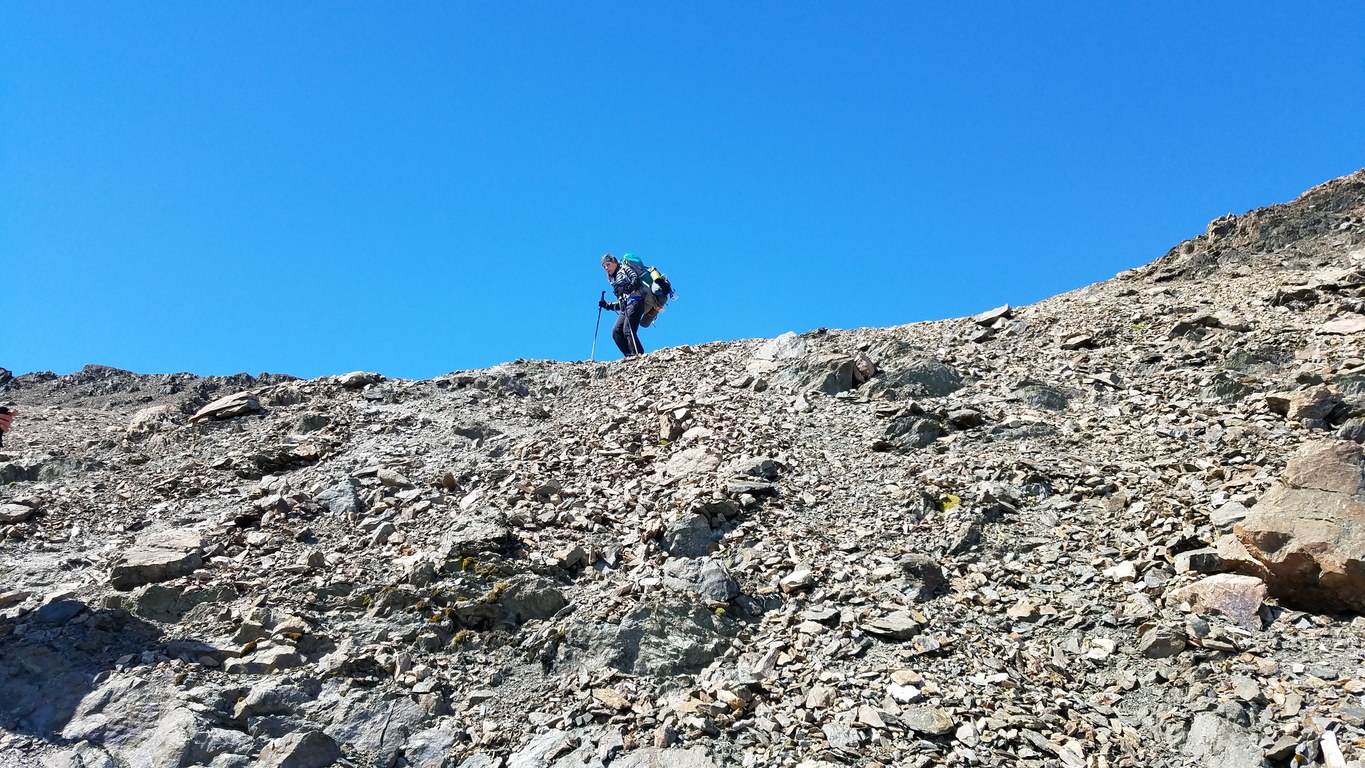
(919, 377)
(546, 750)
(692, 461)
(273, 697)
(990, 317)
(167, 604)
(1206, 560)
(706, 576)
(528, 597)
(1215, 741)
(158, 557)
(1038, 395)
(843, 736)
(304, 749)
(483, 761)
(934, 721)
(1352, 430)
(658, 637)
(689, 535)
(1161, 642)
(433, 748)
(58, 612)
(340, 498)
(900, 625)
(264, 661)
(358, 379)
(924, 578)
(787, 346)
(761, 467)
(1228, 515)
(240, 404)
(374, 725)
(827, 372)
(914, 431)
(14, 513)
(655, 757)
(83, 755)
(472, 534)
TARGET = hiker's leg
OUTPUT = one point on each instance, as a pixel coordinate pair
(618, 334)
(632, 313)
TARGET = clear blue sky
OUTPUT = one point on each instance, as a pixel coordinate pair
(413, 188)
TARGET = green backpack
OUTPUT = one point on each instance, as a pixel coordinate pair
(658, 288)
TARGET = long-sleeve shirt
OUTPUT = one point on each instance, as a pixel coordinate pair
(626, 284)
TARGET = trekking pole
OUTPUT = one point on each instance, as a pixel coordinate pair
(593, 354)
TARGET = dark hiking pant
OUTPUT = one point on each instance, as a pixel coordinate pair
(626, 332)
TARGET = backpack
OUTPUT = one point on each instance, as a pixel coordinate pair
(658, 288)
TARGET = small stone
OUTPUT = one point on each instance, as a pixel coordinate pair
(1206, 560)
(933, 721)
(611, 699)
(1125, 571)
(1228, 515)
(1246, 689)
(989, 317)
(820, 697)
(797, 580)
(900, 625)
(394, 479)
(571, 556)
(903, 693)
(1161, 642)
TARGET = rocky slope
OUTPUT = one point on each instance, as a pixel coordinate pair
(1120, 527)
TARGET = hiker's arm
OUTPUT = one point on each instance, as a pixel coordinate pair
(6, 418)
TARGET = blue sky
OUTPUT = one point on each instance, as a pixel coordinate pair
(414, 188)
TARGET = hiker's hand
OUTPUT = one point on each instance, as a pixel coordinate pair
(6, 417)
(602, 304)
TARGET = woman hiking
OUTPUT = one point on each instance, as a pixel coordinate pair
(631, 302)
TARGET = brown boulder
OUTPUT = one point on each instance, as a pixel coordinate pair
(1297, 406)
(1336, 468)
(1306, 538)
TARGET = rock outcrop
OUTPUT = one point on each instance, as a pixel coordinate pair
(1306, 538)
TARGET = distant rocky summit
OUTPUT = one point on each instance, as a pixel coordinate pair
(1120, 527)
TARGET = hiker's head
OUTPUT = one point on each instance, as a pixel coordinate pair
(610, 263)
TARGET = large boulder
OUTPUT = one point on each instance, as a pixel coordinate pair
(788, 346)
(240, 404)
(665, 636)
(918, 377)
(827, 372)
(1306, 537)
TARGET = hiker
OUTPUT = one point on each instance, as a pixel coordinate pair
(6, 418)
(630, 302)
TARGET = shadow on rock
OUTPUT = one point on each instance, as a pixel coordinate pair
(55, 656)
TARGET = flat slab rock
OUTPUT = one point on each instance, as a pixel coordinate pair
(160, 556)
(14, 513)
